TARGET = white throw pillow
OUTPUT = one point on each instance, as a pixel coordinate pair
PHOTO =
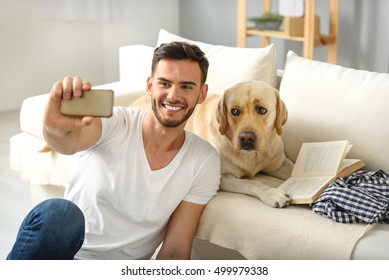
(330, 102)
(229, 65)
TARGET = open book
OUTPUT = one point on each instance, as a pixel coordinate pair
(317, 165)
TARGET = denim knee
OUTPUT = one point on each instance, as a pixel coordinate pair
(54, 229)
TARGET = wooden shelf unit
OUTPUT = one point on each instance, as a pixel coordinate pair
(309, 40)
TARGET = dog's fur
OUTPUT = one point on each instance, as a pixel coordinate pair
(245, 126)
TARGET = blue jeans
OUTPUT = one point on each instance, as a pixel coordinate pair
(53, 230)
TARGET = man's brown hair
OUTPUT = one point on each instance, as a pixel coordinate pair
(181, 51)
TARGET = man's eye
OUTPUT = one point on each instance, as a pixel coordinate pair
(163, 84)
(187, 87)
(235, 112)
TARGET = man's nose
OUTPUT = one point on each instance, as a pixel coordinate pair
(173, 93)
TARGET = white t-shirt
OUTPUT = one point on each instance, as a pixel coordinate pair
(126, 204)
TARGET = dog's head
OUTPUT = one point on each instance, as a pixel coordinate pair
(250, 114)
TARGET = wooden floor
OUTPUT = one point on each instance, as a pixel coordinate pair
(15, 198)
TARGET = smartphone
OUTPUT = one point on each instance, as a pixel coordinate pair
(95, 102)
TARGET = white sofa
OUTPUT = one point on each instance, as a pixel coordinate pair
(325, 102)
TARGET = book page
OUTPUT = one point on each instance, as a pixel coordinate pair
(304, 186)
(320, 158)
(304, 189)
(347, 162)
(347, 166)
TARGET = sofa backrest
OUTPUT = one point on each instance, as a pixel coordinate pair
(135, 64)
(228, 65)
(330, 102)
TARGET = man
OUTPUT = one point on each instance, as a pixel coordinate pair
(140, 179)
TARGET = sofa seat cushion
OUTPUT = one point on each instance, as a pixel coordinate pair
(257, 231)
(330, 102)
(230, 65)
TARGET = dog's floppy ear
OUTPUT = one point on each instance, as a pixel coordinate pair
(282, 114)
(221, 116)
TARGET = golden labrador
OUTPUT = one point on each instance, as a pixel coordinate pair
(245, 126)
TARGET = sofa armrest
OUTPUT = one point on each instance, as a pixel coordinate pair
(31, 114)
(33, 108)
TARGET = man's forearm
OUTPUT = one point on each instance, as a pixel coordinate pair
(60, 141)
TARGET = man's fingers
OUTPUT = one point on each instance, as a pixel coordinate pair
(86, 85)
(77, 86)
(56, 91)
(67, 87)
(88, 120)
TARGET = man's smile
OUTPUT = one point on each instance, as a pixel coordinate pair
(173, 107)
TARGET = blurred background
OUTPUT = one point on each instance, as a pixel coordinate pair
(41, 41)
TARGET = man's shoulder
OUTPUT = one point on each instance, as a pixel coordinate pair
(127, 111)
(199, 144)
(124, 116)
(122, 122)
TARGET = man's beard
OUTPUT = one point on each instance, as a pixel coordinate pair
(170, 123)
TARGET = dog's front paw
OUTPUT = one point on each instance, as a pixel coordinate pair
(275, 198)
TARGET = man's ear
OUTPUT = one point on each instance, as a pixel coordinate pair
(149, 85)
(203, 94)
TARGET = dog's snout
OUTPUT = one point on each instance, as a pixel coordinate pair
(247, 140)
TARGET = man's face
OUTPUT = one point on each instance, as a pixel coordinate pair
(175, 90)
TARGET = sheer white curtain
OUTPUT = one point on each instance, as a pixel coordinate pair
(84, 10)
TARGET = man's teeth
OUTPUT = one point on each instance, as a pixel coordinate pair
(173, 108)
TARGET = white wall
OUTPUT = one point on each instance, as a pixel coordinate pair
(139, 23)
(35, 52)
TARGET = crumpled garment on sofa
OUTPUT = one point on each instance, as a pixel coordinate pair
(363, 196)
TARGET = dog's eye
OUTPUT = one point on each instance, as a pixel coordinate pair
(260, 110)
(235, 112)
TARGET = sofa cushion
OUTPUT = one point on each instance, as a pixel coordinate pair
(230, 65)
(135, 64)
(245, 224)
(330, 102)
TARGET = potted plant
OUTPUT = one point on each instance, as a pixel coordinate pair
(268, 21)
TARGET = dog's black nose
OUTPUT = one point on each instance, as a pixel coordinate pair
(247, 140)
